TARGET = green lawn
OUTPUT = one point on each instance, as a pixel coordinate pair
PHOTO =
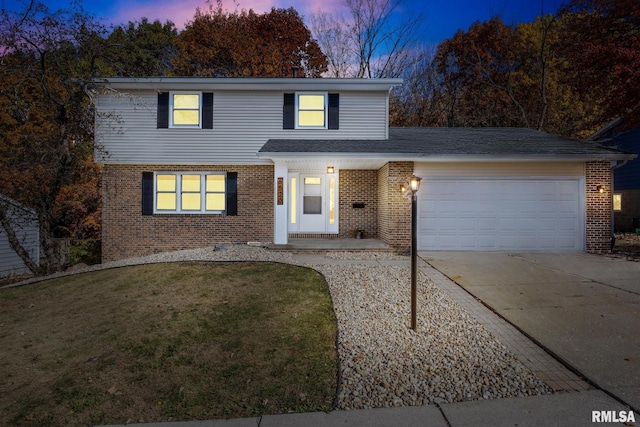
(161, 342)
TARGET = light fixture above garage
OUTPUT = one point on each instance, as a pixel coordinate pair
(330, 170)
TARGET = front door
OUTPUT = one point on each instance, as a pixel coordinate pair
(313, 218)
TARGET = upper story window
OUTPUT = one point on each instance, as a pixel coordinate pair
(185, 109)
(311, 110)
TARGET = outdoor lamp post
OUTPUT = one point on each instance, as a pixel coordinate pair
(414, 186)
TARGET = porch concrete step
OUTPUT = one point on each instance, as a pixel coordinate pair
(332, 245)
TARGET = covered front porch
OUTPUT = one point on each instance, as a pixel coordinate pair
(323, 199)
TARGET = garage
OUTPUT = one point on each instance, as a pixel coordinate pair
(476, 213)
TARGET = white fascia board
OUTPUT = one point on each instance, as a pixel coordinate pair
(412, 157)
(250, 83)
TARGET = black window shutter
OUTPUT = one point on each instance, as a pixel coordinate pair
(147, 193)
(288, 111)
(232, 193)
(207, 110)
(163, 110)
(334, 111)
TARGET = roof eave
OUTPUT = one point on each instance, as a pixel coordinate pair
(246, 83)
(437, 158)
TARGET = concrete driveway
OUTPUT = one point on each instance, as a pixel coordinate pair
(583, 308)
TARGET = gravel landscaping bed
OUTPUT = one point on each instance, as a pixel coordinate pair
(451, 357)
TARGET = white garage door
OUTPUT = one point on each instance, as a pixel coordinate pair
(500, 215)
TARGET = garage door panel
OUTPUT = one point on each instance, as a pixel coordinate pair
(501, 214)
(566, 242)
(487, 242)
(566, 206)
(547, 225)
(568, 224)
(526, 206)
(487, 224)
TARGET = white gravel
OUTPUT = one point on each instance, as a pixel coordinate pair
(382, 362)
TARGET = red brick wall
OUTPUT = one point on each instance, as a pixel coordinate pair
(358, 186)
(127, 233)
(599, 205)
(394, 209)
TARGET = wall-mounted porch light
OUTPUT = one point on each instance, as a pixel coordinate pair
(330, 170)
(600, 189)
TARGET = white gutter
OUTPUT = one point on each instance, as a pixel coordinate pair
(247, 83)
(421, 157)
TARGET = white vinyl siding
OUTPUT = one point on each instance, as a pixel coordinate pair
(242, 123)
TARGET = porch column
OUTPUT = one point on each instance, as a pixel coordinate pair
(281, 203)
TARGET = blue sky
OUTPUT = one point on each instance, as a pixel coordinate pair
(442, 18)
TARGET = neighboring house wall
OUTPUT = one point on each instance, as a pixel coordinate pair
(25, 225)
(628, 176)
(626, 179)
(358, 187)
(127, 233)
(394, 209)
(599, 206)
(242, 122)
(628, 219)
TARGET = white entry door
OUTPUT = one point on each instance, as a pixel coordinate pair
(313, 215)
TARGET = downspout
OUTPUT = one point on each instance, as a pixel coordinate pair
(613, 168)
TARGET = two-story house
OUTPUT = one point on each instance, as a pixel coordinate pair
(192, 162)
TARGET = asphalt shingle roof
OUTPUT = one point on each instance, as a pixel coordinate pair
(451, 142)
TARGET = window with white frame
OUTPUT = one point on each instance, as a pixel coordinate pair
(190, 192)
(311, 110)
(184, 108)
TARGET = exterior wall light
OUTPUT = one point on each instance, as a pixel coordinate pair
(414, 182)
(600, 189)
(330, 170)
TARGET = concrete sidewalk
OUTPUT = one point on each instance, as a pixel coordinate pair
(568, 409)
(583, 308)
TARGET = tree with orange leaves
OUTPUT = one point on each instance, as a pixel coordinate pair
(602, 46)
(47, 62)
(217, 43)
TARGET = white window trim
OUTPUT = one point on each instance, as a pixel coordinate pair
(326, 110)
(174, 126)
(203, 193)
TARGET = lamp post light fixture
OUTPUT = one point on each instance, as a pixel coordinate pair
(413, 188)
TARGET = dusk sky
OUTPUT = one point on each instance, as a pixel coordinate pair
(442, 18)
